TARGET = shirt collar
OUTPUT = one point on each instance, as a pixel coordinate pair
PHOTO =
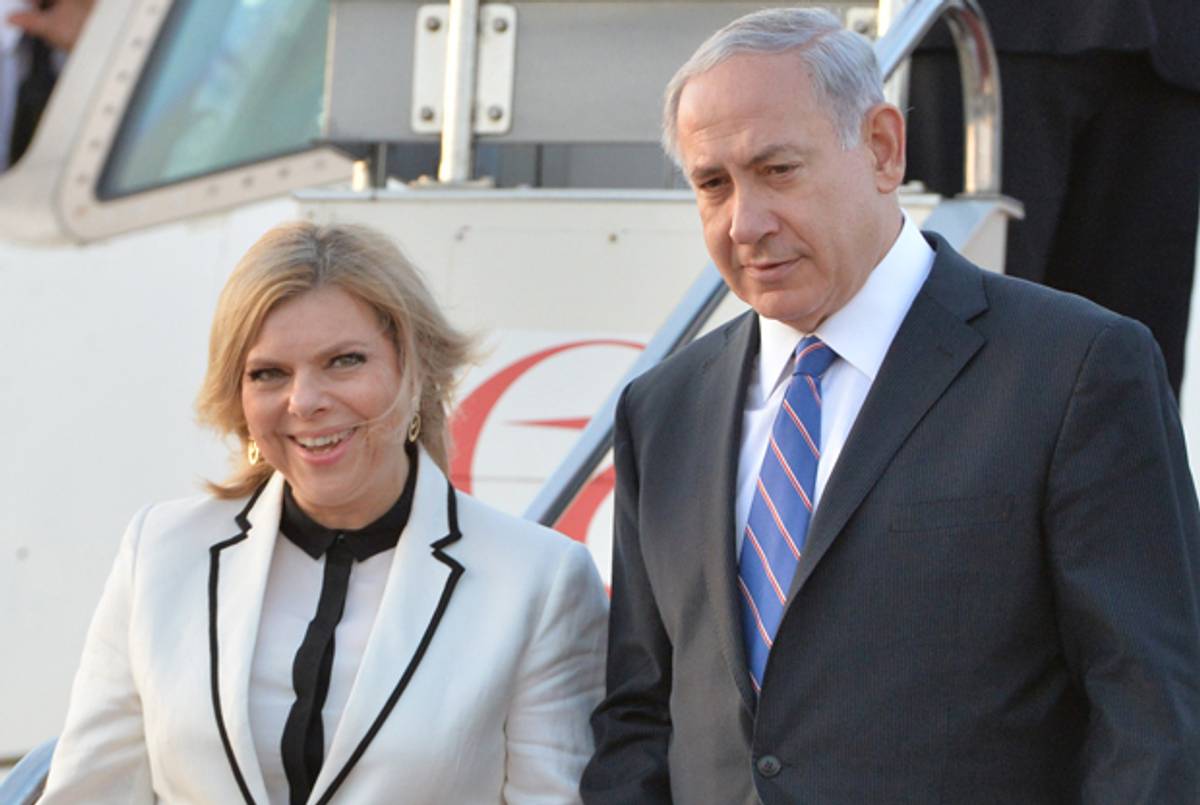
(862, 330)
(381, 535)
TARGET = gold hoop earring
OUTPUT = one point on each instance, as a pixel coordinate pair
(414, 427)
(253, 454)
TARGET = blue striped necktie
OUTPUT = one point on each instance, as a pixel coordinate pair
(782, 506)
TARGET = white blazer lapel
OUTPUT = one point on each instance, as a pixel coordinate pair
(419, 586)
(238, 569)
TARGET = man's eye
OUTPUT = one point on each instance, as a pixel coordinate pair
(264, 375)
(712, 184)
(781, 170)
(349, 359)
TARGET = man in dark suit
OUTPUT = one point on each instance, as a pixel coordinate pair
(1101, 128)
(953, 561)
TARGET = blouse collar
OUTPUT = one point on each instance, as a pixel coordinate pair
(376, 537)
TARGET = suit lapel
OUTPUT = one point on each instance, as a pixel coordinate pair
(724, 381)
(238, 569)
(934, 343)
(419, 586)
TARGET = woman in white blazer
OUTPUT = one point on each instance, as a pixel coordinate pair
(334, 622)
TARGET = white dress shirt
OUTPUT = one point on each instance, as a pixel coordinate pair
(860, 333)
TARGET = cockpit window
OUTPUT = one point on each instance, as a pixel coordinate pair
(229, 82)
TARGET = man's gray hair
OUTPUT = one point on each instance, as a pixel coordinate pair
(845, 74)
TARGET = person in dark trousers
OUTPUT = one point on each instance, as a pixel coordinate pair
(908, 531)
(1101, 143)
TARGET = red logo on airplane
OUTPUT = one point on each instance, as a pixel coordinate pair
(472, 416)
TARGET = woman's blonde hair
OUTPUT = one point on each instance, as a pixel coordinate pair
(294, 258)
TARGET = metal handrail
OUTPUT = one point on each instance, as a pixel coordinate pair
(980, 79)
(684, 323)
(981, 119)
(895, 88)
(24, 782)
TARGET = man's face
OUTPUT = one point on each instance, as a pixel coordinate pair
(794, 222)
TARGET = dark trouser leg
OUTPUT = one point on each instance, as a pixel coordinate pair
(1103, 155)
(1127, 236)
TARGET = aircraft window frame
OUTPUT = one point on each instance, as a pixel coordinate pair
(195, 77)
(85, 215)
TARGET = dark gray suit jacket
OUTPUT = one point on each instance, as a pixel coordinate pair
(998, 597)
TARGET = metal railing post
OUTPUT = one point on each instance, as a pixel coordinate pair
(980, 79)
(24, 782)
(895, 89)
(689, 316)
(458, 98)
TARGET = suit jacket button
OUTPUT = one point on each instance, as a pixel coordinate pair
(769, 765)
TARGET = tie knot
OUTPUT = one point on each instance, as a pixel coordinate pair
(813, 357)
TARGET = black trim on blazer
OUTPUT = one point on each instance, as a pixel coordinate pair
(214, 572)
(243, 521)
(456, 570)
(242, 518)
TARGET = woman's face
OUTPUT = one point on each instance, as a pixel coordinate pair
(320, 393)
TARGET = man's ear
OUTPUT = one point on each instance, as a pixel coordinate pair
(883, 135)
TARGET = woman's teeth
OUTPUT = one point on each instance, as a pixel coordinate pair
(317, 442)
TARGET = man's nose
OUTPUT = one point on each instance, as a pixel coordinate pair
(752, 218)
(309, 395)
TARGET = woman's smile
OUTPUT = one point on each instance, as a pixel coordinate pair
(320, 395)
